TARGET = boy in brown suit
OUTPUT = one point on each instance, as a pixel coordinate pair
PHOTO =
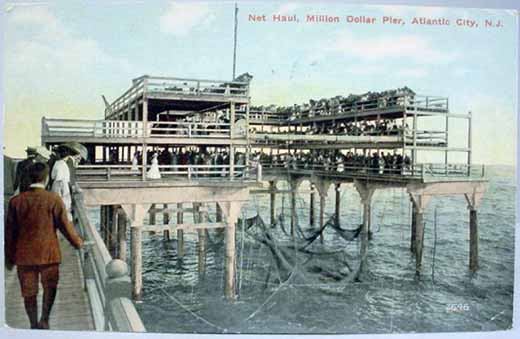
(31, 242)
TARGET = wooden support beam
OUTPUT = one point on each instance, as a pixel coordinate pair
(337, 211)
(103, 222)
(322, 215)
(188, 227)
(473, 240)
(311, 208)
(136, 214)
(112, 236)
(152, 214)
(121, 236)
(419, 240)
(365, 192)
(230, 263)
(218, 212)
(272, 187)
(180, 232)
(166, 221)
(413, 229)
(201, 219)
(137, 262)
(420, 202)
(231, 212)
(293, 214)
(474, 199)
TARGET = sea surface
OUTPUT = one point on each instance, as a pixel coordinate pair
(319, 295)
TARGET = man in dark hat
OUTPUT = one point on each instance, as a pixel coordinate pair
(34, 154)
(31, 242)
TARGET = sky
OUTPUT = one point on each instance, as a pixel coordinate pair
(61, 56)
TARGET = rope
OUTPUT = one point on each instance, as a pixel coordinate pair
(195, 315)
(270, 297)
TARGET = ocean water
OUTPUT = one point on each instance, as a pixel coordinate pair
(319, 296)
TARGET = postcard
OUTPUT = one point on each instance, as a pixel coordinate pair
(259, 167)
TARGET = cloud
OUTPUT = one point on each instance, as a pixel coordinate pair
(403, 47)
(182, 18)
(378, 69)
(50, 70)
(39, 43)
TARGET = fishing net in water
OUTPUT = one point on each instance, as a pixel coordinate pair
(302, 259)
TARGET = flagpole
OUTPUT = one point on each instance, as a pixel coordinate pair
(235, 43)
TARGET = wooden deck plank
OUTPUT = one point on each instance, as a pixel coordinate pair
(71, 309)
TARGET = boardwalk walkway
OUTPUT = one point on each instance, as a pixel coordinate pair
(71, 310)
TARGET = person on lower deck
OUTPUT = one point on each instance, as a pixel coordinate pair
(31, 242)
(60, 176)
(34, 155)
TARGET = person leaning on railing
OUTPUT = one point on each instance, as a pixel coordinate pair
(31, 242)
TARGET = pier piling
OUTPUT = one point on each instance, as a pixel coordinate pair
(229, 265)
(272, 188)
(365, 192)
(419, 201)
(413, 228)
(103, 222)
(166, 221)
(322, 215)
(121, 235)
(137, 262)
(338, 203)
(293, 212)
(113, 232)
(473, 240)
(180, 233)
(419, 239)
(152, 216)
(311, 208)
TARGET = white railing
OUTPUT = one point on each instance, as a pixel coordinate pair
(189, 129)
(417, 171)
(91, 128)
(106, 280)
(426, 137)
(133, 129)
(196, 87)
(87, 173)
(330, 107)
(164, 86)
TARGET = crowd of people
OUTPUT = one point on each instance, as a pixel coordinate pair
(342, 104)
(216, 160)
(337, 161)
(375, 128)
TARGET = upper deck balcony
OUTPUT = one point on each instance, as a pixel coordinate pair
(388, 107)
(136, 132)
(179, 93)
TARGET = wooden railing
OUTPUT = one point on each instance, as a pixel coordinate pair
(197, 87)
(425, 137)
(164, 86)
(417, 171)
(405, 102)
(87, 173)
(106, 280)
(189, 129)
(91, 128)
(132, 129)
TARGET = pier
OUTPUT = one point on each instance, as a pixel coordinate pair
(214, 149)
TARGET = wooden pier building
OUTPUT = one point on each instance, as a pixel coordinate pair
(175, 116)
